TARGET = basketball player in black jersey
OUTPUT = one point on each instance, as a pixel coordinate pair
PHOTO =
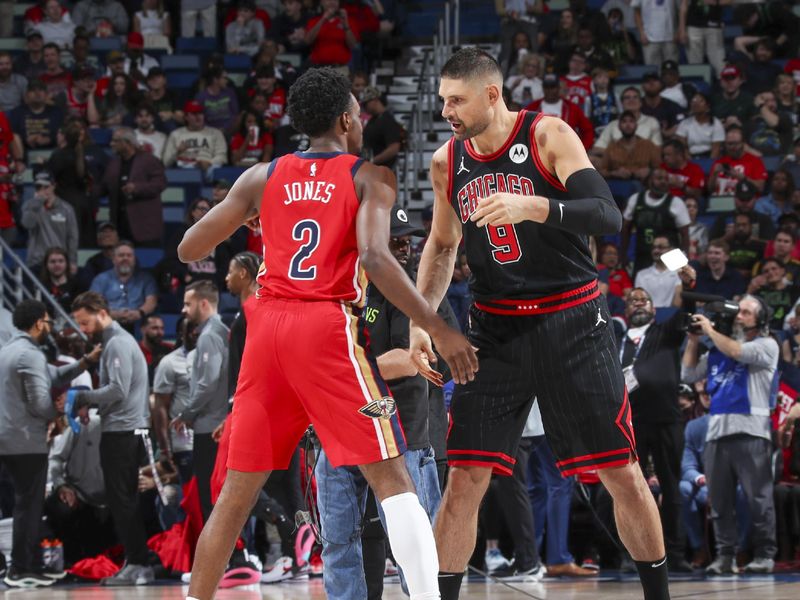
(521, 190)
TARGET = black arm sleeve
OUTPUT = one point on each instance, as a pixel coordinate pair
(591, 209)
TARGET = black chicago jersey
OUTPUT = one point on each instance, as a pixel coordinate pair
(525, 260)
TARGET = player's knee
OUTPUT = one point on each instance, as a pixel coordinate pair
(467, 485)
(625, 483)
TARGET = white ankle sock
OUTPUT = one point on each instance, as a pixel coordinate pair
(413, 546)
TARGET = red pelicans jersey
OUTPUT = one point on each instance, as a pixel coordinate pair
(308, 227)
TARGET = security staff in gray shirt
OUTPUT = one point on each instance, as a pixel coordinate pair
(26, 407)
(740, 371)
(123, 405)
(208, 394)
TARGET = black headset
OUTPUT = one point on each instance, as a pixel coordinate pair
(764, 312)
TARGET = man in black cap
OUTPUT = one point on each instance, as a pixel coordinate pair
(31, 64)
(388, 331)
(162, 99)
(36, 123)
(107, 239)
(662, 109)
(673, 88)
(383, 135)
(745, 203)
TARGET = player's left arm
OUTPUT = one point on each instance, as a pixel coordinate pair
(242, 203)
(591, 209)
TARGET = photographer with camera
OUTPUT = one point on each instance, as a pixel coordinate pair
(740, 368)
(650, 358)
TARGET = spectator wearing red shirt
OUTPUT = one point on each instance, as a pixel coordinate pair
(56, 78)
(619, 282)
(735, 165)
(792, 67)
(252, 143)
(9, 166)
(555, 105)
(115, 60)
(686, 179)
(331, 36)
(577, 83)
(266, 83)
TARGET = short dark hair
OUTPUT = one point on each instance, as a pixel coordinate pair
(627, 113)
(91, 302)
(771, 259)
(147, 318)
(52, 46)
(471, 63)
(746, 215)
(317, 99)
(250, 262)
(205, 289)
(721, 244)
(27, 312)
(787, 231)
(677, 144)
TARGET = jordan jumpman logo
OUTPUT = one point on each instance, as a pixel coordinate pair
(600, 318)
(462, 168)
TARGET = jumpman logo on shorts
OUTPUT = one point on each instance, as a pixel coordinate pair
(462, 168)
(600, 318)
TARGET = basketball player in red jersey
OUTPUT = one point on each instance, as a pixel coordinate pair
(522, 192)
(324, 218)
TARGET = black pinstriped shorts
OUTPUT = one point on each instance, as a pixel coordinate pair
(569, 360)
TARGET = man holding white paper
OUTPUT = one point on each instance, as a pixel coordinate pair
(662, 280)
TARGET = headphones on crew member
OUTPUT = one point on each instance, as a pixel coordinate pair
(765, 312)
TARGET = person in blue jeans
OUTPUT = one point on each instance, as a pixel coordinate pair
(694, 493)
(551, 499)
(354, 563)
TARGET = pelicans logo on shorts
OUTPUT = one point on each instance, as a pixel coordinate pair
(382, 408)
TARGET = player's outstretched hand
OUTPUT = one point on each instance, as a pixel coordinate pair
(422, 355)
(456, 350)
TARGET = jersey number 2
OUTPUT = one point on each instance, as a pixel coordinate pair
(307, 232)
(505, 243)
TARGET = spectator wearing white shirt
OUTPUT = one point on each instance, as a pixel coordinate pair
(137, 63)
(56, 27)
(656, 21)
(663, 285)
(673, 88)
(526, 87)
(149, 138)
(646, 127)
(154, 23)
(702, 133)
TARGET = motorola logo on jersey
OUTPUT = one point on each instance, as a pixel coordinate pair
(318, 191)
(518, 153)
(488, 184)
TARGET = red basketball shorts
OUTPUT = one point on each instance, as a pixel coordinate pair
(308, 363)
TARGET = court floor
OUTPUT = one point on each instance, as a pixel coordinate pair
(778, 587)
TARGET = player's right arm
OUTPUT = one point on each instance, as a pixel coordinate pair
(437, 261)
(242, 203)
(375, 186)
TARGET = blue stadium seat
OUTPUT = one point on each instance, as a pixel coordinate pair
(635, 72)
(170, 324)
(705, 164)
(229, 173)
(173, 214)
(196, 45)
(178, 176)
(665, 313)
(624, 188)
(772, 162)
(100, 136)
(707, 220)
(100, 45)
(180, 62)
(181, 79)
(147, 258)
(238, 62)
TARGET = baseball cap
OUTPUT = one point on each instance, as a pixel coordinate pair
(550, 80)
(370, 93)
(192, 106)
(730, 72)
(33, 33)
(669, 65)
(650, 75)
(745, 190)
(114, 56)
(43, 178)
(401, 226)
(135, 40)
(103, 225)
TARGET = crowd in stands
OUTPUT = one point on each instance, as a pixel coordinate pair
(110, 103)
